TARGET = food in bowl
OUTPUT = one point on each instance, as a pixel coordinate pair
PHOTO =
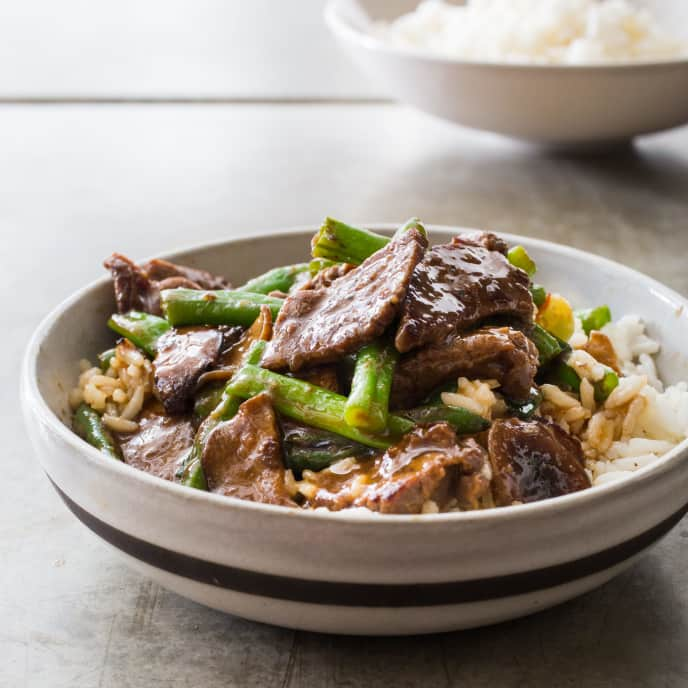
(568, 32)
(384, 375)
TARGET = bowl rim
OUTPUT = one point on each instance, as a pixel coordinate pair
(34, 403)
(343, 29)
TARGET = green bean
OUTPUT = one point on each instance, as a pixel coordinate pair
(308, 448)
(412, 223)
(278, 279)
(465, 422)
(311, 405)
(338, 241)
(190, 471)
(563, 375)
(207, 399)
(141, 329)
(435, 397)
(230, 402)
(594, 318)
(548, 346)
(525, 408)
(367, 406)
(539, 294)
(605, 386)
(319, 264)
(89, 425)
(222, 307)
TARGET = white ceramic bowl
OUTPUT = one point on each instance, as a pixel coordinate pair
(339, 572)
(568, 106)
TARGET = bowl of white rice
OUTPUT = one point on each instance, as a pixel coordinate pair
(556, 72)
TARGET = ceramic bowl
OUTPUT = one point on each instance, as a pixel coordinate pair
(343, 572)
(562, 106)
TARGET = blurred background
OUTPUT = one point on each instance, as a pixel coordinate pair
(182, 49)
(176, 49)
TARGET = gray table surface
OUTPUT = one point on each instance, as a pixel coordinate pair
(80, 181)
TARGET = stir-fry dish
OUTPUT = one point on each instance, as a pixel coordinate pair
(383, 374)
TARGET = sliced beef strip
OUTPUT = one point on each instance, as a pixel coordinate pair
(159, 270)
(428, 463)
(182, 357)
(138, 287)
(220, 371)
(176, 283)
(133, 289)
(487, 240)
(458, 285)
(325, 277)
(499, 353)
(475, 475)
(159, 443)
(320, 325)
(243, 456)
(322, 376)
(533, 460)
(237, 343)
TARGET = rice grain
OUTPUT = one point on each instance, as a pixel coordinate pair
(627, 389)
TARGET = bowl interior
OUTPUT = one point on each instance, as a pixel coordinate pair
(77, 329)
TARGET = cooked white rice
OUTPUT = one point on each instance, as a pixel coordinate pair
(119, 392)
(535, 31)
(476, 396)
(639, 422)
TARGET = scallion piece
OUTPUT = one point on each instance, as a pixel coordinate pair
(594, 318)
(539, 294)
(605, 386)
(518, 257)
